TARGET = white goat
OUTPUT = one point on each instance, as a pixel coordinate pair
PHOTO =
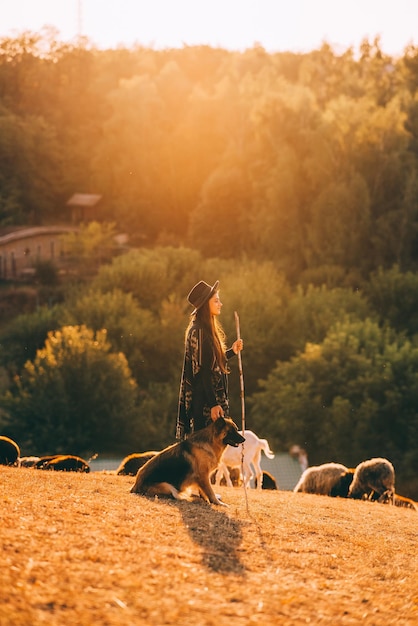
(233, 457)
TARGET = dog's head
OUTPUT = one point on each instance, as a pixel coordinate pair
(227, 430)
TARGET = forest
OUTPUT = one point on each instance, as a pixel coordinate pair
(291, 178)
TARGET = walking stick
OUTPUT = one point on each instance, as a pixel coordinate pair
(241, 375)
(241, 380)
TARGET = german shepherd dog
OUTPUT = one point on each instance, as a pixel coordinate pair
(188, 463)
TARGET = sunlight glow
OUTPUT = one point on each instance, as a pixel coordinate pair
(278, 25)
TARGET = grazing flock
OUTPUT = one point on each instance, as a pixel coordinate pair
(373, 479)
(10, 455)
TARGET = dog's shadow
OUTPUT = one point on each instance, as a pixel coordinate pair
(216, 533)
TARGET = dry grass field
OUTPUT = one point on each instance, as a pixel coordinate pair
(80, 550)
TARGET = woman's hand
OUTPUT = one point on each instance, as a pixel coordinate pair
(238, 345)
(215, 412)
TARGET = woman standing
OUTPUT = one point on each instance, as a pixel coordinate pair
(204, 381)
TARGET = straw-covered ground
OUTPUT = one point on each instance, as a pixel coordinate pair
(79, 549)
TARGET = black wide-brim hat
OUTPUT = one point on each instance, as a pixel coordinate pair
(201, 293)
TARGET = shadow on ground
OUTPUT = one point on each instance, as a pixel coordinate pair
(218, 535)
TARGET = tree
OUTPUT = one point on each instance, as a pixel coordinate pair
(151, 275)
(130, 151)
(260, 295)
(311, 312)
(31, 163)
(141, 335)
(91, 245)
(393, 295)
(349, 398)
(340, 224)
(219, 222)
(26, 334)
(75, 397)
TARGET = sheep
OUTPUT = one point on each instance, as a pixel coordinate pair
(130, 465)
(43, 460)
(373, 479)
(28, 461)
(63, 463)
(9, 451)
(321, 479)
(341, 487)
(234, 475)
(269, 482)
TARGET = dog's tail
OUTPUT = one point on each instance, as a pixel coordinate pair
(266, 449)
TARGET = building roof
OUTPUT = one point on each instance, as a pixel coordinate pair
(34, 231)
(83, 199)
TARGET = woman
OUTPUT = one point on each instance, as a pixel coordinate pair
(204, 381)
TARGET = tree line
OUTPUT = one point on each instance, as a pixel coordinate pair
(333, 369)
(291, 178)
(308, 159)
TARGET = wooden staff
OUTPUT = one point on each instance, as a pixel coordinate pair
(241, 375)
(241, 380)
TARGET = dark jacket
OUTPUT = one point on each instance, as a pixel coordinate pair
(203, 385)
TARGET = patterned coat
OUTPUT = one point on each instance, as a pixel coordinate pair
(203, 385)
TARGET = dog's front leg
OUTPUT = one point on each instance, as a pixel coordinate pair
(207, 492)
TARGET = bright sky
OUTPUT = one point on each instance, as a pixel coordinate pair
(278, 25)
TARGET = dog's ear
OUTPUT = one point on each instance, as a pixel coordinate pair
(219, 424)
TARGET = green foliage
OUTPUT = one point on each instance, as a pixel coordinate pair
(230, 190)
(260, 295)
(340, 223)
(331, 276)
(91, 244)
(30, 169)
(147, 340)
(293, 179)
(349, 398)
(394, 296)
(157, 416)
(46, 273)
(308, 160)
(313, 311)
(138, 109)
(74, 397)
(26, 334)
(151, 275)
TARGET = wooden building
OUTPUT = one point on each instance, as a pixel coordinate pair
(22, 248)
(84, 207)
